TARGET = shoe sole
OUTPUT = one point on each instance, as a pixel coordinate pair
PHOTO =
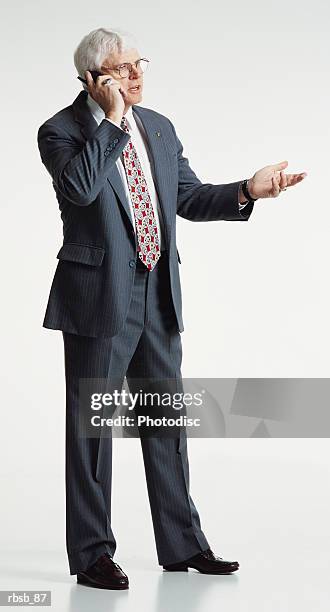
(96, 585)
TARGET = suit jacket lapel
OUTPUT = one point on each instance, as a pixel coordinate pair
(159, 157)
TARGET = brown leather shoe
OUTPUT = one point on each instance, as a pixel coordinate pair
(206, 563)
(104, 574)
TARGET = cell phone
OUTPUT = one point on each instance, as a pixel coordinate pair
(94, 74)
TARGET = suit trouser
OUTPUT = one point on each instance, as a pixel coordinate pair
(149, 345)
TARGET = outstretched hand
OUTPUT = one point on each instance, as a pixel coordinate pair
(271, 180)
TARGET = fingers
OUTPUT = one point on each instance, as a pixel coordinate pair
(107, 81)
(89, 80)
(283, 182)
(293, 179)
(300, 177)
(275, 187)
(280, 166)
(102, 79)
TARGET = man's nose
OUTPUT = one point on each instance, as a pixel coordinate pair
(134, 72)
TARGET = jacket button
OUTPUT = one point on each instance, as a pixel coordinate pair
(132, 263)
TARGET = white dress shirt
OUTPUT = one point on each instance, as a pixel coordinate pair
(140, 143)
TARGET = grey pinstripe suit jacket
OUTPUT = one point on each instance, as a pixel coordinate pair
(92, 285)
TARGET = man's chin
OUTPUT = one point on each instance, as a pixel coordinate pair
(134, 99)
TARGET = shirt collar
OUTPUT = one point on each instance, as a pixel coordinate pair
(98, 112)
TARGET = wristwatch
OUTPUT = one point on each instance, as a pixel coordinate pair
(246, 192)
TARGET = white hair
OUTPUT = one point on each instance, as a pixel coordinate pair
(96, 46)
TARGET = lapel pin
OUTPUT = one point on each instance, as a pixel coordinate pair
(157, 133)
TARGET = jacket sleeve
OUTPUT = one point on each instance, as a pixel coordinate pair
(199, 201)
(79, 171)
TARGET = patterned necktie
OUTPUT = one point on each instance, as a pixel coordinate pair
(145, 222)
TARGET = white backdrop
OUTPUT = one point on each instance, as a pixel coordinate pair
(248, 82)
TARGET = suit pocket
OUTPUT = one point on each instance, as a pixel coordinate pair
(81, 253)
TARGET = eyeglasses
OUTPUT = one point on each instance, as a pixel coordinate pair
(125, 69)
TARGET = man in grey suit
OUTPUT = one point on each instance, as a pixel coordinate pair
(120, 178)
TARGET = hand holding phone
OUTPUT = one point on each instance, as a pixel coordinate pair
(106, 91)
